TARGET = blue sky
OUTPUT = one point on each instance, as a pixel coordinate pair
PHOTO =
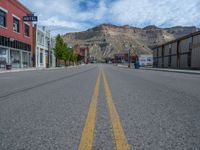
(63, 16)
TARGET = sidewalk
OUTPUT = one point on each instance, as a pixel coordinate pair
(17, 70)
(164, 69)
(172, 70)
(34, 69)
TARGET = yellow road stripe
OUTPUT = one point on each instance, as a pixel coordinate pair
(121, 142)
(88, 131)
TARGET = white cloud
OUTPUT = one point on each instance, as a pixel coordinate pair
(161, 13)
(68, 15)
(55, 21)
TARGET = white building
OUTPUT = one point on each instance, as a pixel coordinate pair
(44, 44)
(146, 60)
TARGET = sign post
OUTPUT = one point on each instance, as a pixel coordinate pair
(129, 61)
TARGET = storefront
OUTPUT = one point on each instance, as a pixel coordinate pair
(14, 53)
(3, 57)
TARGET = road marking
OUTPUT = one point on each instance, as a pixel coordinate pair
(88, 130)
(120, 140)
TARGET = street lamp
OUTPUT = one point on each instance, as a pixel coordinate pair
(48, 42)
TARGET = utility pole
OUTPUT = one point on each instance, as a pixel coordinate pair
(129, 56)
(129, 59)
(128, 48)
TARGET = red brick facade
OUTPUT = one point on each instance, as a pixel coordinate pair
(14, 8)
(82, 52)
(16, 36)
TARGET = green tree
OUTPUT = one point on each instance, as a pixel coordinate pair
(74, 58)
(65, 53)
(59, 49)
(70, 54)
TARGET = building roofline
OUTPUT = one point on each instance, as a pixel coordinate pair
(178, 39)
(21, 5)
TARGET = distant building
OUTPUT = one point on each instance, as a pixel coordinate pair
(182, 53)
(15, 35)
(43, 47)
(146, 60)
(123, 58)
(82, 53)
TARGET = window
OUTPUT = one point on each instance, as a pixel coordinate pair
(25, 58)
(149, 59)
(2, 51)
(15, 58)
(2, 18)
(26, 30)
(41, 57)
(15, 24)
(3, 56)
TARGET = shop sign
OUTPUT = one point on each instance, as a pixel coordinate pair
(30, 18)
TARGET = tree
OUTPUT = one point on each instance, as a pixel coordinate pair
(59, 49)
(70, 50)
(65, 53)
(74, 58)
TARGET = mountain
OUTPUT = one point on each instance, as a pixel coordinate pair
(107, 39)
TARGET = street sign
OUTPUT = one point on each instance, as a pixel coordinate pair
(30, 18)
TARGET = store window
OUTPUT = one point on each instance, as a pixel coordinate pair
(3, 56)
(15, 58)
(25, 58)
(15, 24)
(26, 30)
(2, 18)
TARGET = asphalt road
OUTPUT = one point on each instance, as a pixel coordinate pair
(47, 109)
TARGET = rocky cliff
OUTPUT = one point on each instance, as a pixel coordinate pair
(106, 39)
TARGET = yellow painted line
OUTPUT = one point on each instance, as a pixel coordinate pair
(88, 130)
(120, 140)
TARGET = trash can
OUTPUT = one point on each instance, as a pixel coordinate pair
(8, 67)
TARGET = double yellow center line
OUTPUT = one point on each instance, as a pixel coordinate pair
(87, 137)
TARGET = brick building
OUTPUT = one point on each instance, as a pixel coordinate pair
(15, 35)
(82, 52)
